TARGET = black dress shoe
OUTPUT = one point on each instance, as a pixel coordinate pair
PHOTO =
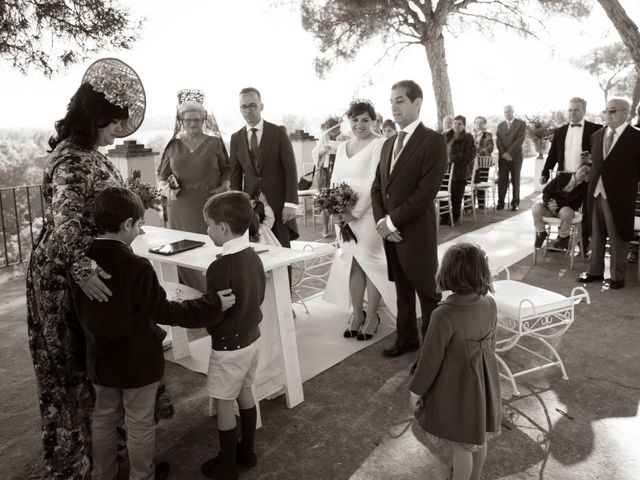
(500, 206)
(350, 333)
(562, 243)
(398, 349)
(614, 284)
(540, 237)
(163, 469)
(514, 208)
(586, 277)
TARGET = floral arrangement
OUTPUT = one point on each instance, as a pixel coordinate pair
(149, 194)
(119, 87)
(540, 131)
(334, 201)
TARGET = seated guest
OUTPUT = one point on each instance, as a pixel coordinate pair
(118, 343)
(483, 141)
(388, 128)
(324, 156)
(561, 197)
(461, 154)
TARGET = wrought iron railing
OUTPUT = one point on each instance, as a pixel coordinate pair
(21, 213)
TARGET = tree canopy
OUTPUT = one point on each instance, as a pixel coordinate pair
(610, 65)
(48, 35)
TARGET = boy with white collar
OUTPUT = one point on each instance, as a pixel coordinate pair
(234, 341)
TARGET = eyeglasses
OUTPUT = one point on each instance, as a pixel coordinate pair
(251, 107)
(613, 110)
(192, 120)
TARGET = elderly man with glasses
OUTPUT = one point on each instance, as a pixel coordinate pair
(615, 151)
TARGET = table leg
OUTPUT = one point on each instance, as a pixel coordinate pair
(278, 288)
(179, 339)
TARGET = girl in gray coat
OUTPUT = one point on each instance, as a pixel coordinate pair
(456, 387)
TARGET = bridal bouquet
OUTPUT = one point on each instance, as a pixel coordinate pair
(149, 194)
(334, 201)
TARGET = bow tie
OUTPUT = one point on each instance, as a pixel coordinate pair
(576, 124)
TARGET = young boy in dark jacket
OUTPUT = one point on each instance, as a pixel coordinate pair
(119, 343)
(235, 340)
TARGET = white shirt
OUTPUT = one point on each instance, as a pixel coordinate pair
(236, 245)
(616, 135)
(409, 129)
(259, 129)
(573, 147)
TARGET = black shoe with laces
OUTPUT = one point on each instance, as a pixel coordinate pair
(540, 238)
(562, 243)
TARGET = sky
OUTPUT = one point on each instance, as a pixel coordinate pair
(221, 46)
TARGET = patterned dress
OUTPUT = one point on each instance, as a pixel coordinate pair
(73, 176)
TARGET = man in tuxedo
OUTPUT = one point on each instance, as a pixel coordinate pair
(615, 152)
(570, 145)
(509, 138)
(408, 177)
(262, 159)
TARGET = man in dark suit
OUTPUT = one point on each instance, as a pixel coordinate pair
(570, 145)
(615, 151)
(509, 138)
(408, 177)
(262, 159)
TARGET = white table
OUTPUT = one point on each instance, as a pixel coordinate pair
(276, 308)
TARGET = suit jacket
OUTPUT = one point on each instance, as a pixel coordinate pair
(274, 171)
(461, 153)
(510, 140)
(484, 148)
(556, 151)
(119, 342)
(620, 173)
(407, 195)
(554, 190)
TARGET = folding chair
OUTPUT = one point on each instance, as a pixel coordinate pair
(443, 198)
(484, 180)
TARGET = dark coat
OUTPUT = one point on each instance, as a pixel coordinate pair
(485, 145)
(119, 342)
(457, 373)
(275, 173)
(556, 151)
(620, 173)
(554, 190)
(511, 140)
(461, 152)
(407, 195)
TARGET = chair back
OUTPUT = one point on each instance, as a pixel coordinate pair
(446, 179)
(482, 169)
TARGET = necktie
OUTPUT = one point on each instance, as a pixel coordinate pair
(253, 145)
(399, 145)
(576, 124)
(608, 142)
(508, 126)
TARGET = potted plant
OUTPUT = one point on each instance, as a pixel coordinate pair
(540, 131)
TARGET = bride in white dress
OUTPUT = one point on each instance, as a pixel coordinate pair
(362, 265)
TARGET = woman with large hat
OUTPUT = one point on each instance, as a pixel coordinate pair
(109, 104)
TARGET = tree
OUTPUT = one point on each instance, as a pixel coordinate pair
(630, 35)
(342, 26)
(47, 35)
(610, 65)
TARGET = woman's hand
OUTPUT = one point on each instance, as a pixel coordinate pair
(95, 289)
(227, 299)
(225, 187)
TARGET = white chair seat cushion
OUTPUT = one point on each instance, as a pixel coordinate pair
(577, 218)
(636, 223)
(509, 293)
(307, 193)
(483, 184)
(442, 194)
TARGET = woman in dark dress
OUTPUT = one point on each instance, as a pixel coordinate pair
(194, 166)
(109, 104)
(460, 149)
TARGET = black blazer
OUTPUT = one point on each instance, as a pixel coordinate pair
(461, 153)
(510, 140)
(119, 342)
(407, 195)
(620, 173)
(556, 151)
(554, 190)
(274, 172)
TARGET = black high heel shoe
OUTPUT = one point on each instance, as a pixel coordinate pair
(349, 333)
(362, 335)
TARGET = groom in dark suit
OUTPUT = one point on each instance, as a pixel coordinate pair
(615, 152)
(570, 146)
(262, 159)
(408, 177)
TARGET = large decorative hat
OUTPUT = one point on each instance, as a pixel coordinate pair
(122, 87)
